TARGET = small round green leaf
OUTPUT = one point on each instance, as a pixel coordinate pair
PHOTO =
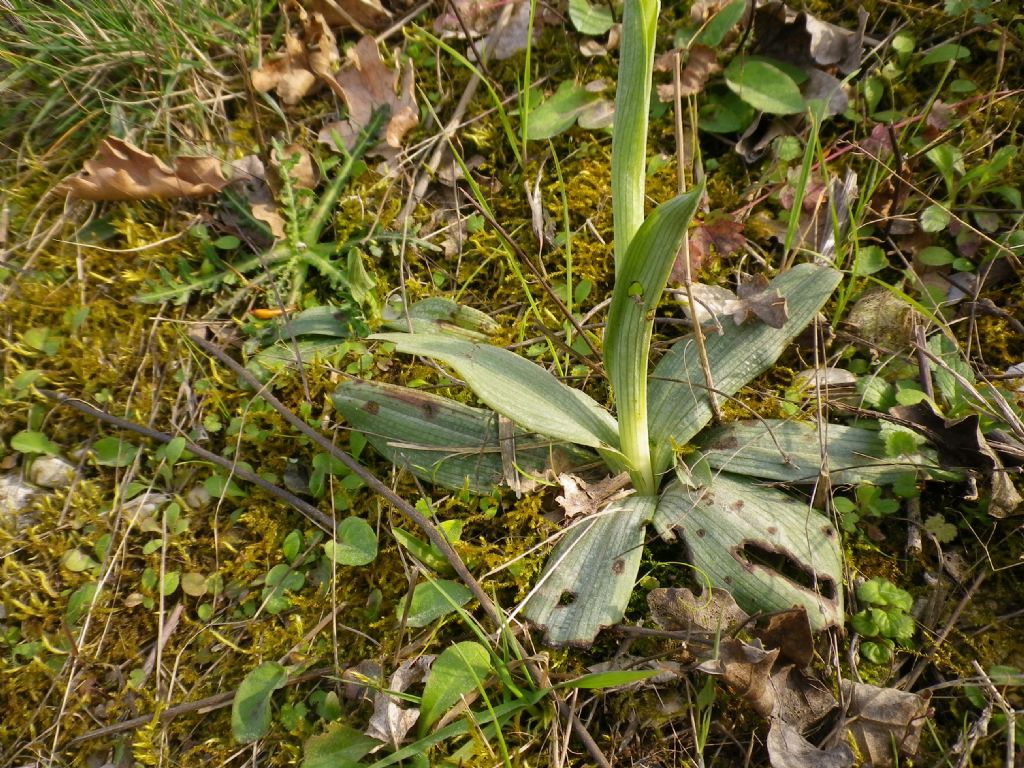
(356, 543)
(935, 256)
(764, 86)
(340, 746)
(114, 452)
(193, 584)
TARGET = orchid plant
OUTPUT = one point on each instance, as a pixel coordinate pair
(770, 550)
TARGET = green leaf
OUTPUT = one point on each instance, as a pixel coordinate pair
(632, 112)
(935, 256)
(518, 389)
(169, 583)
(80, 601)
(935, 218)
(30, 441)
(338, 747)
(591, 573)
(356, 543)
(764, 86)
(433, 599)
(599, 680)
(442, 441)
(459, 669)
(76, 561)
(869, 260)
(943, 531)
(677, 400)
(193, 584)
(590, 19)
(114, 452)
(791, 451)
(944, 53)
(718, 26)
(292, 545)
(250, 710)
(559, 112)
(877, 651)
(769, 550)
(639, 285)
(724, 112)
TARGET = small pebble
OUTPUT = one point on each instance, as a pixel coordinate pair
(51, 472)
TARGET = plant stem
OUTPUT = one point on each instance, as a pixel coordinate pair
(632, 107)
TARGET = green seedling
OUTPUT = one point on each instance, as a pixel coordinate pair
(283, 269)
(885, 622)
(868, 501)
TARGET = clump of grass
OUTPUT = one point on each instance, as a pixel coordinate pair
(76, 70)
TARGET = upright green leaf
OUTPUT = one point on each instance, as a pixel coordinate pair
(520, 390)
(678, 399)
(250, 710)
(591, 573)
(638, 289)
(632, 107)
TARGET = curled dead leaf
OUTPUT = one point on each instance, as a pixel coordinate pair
(880, 718)
(250, 178)
(701, 64)
(287, 72)
(580, 498)
(680, 609)
(390, 722)
(122, 171)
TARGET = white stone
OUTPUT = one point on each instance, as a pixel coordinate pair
(51, 472)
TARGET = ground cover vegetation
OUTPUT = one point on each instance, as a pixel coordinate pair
(517, 384)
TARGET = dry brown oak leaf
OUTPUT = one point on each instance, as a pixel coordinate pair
(367, 84)
(121, 171)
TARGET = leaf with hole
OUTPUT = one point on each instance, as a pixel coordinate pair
(769, 550)
(590, 575)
